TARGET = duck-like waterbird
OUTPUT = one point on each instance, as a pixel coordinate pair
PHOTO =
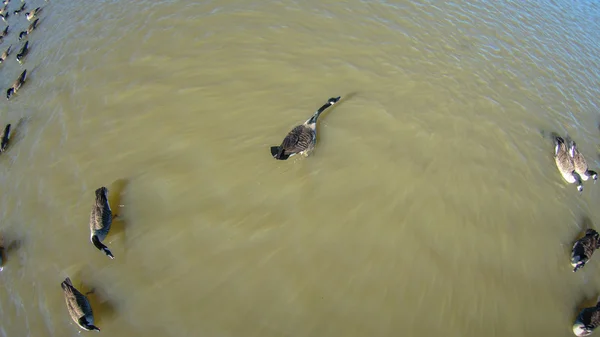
(33, 13)
(5, 138)
(30, 29)
(581, 166)
(587, 320)
(22, 8)
(302, 138)
(4, 33)
(5, 54)
(101, 220)
(23, 52)
(16, 85)
(584, 248)
(79, 306)
(564, 162)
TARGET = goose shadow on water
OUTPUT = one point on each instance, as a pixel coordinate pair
(18, 131)
(8, 247)
(116, 191)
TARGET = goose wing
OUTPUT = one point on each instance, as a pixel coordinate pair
(297, 140)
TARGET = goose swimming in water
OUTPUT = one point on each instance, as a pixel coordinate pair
(302, 138)
(4, 33)
(5, 138)
(101, 220)
(581, 166)
(30, 29)
(16, 85)
(23, 52)
(584, 248)
(5, 54)
(79, 306)
(33, 13)
(587, 320)
(18, 11)
(564, 162)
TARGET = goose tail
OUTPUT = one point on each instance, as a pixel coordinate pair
(66, 283)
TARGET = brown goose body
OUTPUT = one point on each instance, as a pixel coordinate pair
(100, 220)
(79, 306)
(302, 138)
(581, 166)
(5, 138)
(564, 162)
(584, 248)
(5, 54)
(16, 85)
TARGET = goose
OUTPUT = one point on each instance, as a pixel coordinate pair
(587, 320)
(5, 54)
(23, 52)
(584, 248)
(302, 139)
(33, 13)
(100, 220)
(5, 138)
(79, 306)
(16, 85)
(564, 162)
(6, 2)
(22, 8)
(4, 17)
(581, 166)
(30, 29)
(4, 33)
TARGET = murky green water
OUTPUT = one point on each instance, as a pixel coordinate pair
(431, 206)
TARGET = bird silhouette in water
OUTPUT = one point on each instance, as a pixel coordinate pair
(16, 85)
(79, 306)
(23, 52)
(101, 219)
(5, 138)
(584, 248)
(587, 320)
(581, 166)
(31, 15)
(5, 54)
(302, 139)
(564, 162)
(30, 29)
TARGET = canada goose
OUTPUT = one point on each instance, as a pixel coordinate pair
(302, 138)
(79, 306)
(587, 320)
(584, 248)
(5, 54)
(6, 2)
(100, 220)
(5, 138)
(30, 29)
(23, 52)
(22, 8)
(564, 162)
(581, 166)
(4, 17)
(16, 85)
(4, 32)
(33, 13)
